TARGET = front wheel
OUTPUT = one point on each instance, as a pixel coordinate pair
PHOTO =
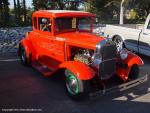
(75, 87)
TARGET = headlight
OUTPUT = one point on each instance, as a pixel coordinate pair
(100, 44)
(123, 54)
(96, 58)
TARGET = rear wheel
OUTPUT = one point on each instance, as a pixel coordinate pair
(75, 87)
(134, 73)
(23, 56)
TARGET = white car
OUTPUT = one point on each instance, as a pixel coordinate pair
(134, 39)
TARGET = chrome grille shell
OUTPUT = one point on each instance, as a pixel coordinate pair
(104, 59)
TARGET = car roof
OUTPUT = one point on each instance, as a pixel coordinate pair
(61, 13)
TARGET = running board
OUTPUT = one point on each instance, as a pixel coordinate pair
(121, 87)
(44, 70)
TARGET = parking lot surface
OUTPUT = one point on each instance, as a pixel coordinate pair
(25, 88)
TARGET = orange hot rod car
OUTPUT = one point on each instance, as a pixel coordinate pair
(63, 40)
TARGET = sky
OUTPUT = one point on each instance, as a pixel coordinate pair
(28, 3)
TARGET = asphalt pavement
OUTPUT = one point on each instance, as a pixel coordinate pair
(23, 88)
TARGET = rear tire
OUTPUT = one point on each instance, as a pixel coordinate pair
(76, 89)
(23, 56)
(134, 72)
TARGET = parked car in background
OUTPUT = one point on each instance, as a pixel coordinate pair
(137, 40)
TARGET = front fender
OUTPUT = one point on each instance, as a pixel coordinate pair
(81, 70)
(130, 61)
(133, 59)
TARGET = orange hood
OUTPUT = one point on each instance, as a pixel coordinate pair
(81, 39)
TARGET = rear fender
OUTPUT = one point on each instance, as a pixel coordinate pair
(81, 70)
(130, 61)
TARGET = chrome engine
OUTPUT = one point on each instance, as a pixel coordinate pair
(84, 55)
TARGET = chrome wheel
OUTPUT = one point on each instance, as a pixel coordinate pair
(75, 87)
(72, 83)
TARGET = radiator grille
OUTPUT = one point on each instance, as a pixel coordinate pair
(108, 66)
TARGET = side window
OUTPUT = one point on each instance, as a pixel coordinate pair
(35, 22)
(148, 27)
(44, 24)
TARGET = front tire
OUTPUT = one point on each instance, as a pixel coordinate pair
(77, 89)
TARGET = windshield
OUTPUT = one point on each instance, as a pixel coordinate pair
(73, 24)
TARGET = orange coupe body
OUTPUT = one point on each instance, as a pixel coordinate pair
(63, 40)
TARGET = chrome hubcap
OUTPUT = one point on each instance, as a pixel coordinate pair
(72, 84)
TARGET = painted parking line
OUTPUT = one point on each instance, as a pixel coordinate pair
(9, 60)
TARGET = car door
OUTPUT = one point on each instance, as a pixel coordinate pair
(35, 39)
(144, 41)
(51, 49)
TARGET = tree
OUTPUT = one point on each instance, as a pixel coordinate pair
(104, 9)
(18, 11)
(39, 4)
(142, 7)
(4, 12)
(1, 11)
(57, 4)
(24, 11)
(15, 9)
